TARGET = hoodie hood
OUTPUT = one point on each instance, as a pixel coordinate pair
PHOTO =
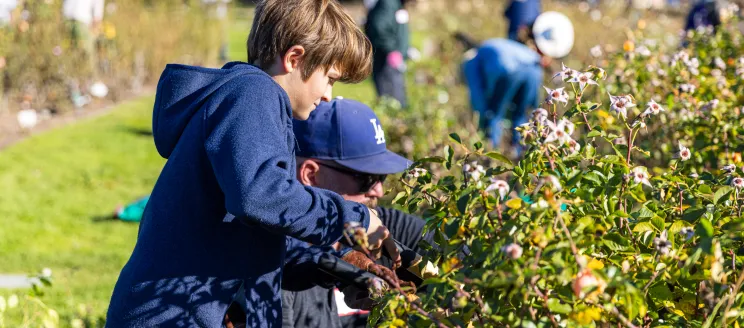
(181, 92)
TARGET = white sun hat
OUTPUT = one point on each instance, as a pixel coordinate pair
(554, 34)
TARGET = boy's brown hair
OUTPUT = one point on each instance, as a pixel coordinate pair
(329, 35)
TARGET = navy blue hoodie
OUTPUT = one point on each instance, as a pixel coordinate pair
(223, 205)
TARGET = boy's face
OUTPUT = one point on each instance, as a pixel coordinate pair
(306, 95)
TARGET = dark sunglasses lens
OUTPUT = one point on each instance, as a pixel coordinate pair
(369, 181)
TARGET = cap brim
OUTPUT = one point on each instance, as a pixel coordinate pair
(384, 163)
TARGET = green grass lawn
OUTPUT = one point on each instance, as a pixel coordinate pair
(56, 187)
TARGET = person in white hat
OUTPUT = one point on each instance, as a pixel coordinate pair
(504, 76)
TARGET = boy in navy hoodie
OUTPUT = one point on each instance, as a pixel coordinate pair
(226, 200)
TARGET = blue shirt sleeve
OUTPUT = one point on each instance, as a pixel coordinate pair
(248, 146)
(476, 84)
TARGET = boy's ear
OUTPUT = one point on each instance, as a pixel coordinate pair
(292, 58)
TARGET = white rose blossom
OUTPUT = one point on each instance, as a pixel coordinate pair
(583, 80)
(540, 115)
(662, 244)
(513, 251)
(652, 108)
(640, 175)
(473, 170)
(557, 95)
(620, 104)
(417, 172)
(684, 152)
(560, 133)
(573, 146)
(738, 183)
(501, 187)
(729, 168)
(566, 73)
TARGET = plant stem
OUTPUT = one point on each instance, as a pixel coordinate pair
(622, 318)
(630, 146)
(574, 250)
(589, 126)
(656, 274)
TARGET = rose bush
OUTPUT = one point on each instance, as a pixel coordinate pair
(625, 209)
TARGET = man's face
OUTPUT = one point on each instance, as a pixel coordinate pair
(346, 185)
(306, 95)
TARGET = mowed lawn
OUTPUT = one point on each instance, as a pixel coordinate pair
(57, 187)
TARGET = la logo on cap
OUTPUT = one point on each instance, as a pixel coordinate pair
(379, 134)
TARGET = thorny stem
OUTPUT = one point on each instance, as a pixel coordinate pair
(680, 201)
(427, 193)
(574, 250)
(622, 318)
(732, 297)
(630, 146)
(545, 300)
(589, 126)
(498, 210)
(653, 277)
(550, 159)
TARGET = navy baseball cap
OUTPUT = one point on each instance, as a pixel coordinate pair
(348, 133)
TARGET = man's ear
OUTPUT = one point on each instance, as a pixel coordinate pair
(292, 58)
(307, 174)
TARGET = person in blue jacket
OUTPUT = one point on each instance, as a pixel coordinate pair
(521, 15)
(703, 13)
(227, 198)
(503, 78)
(387, 29)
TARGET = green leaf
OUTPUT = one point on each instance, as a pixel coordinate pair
(593, 133)
(658, 222)
(704, 189)
(463, 201)
(722, 194)
(398, 197)
(677, 227)
(555, 306)
(432, 159)
(616, 242)
(643, 227)
(645, 212)
(456, 138)
(704, 228)
(661, 292)
(450, 154)
(595, 177)
(692, 214)
(499, 157)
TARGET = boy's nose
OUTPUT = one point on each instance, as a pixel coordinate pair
(328, 95)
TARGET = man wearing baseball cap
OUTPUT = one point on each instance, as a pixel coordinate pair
(342, 147)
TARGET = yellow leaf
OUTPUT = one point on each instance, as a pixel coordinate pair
(514, 203)
(586, 316)
(595, 264)
(679, 313)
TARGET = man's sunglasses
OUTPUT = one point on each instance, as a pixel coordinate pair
(365, 181)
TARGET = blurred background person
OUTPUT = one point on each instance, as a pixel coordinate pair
(521, 15)
(218, 10)
(7, 10)
(504, 76)
(83, 19)
(703, 14)
(387, 29)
